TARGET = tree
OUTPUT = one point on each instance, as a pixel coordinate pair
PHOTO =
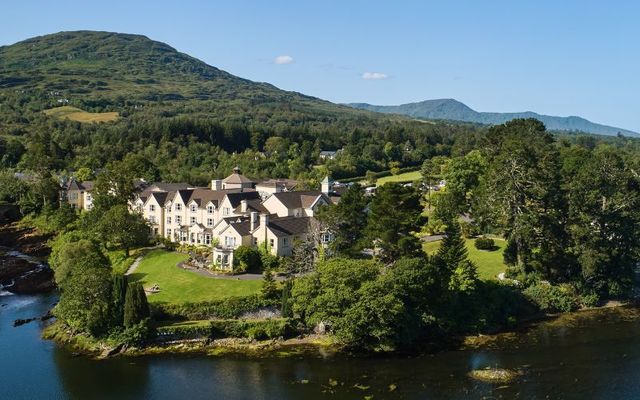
(269, 286)
(122, 228)
(395, 214)
(247, 259)
(73, 255)
(452, 250)
(136, 307)
(84, 174)
(522, 194)
(118, 297)
(285, 307)
(115, 185)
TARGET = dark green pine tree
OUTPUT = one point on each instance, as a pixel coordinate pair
(118, 298)
(286, 299)
(452, 250)
(136, 307)
(269, 288)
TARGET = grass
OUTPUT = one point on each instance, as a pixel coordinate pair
(404, 177)
(489, 263)
(76, 114)
(178, 286)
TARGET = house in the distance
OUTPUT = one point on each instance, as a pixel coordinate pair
(78, 194)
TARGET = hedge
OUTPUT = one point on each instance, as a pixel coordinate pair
(485, 243)
(224, 328)
(230, 307)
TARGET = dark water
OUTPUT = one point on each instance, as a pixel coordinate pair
(588, 356)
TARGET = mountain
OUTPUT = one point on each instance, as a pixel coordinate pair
(450, 109)
(106, 71)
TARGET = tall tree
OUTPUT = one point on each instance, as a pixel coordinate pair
(395, 214)
(346, 221)
(122, 228)
(136, 307)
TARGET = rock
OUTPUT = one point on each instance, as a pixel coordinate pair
(38, 280)
(106, 353)
(19, 322)
(494, 375)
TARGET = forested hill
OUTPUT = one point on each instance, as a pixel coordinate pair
(104, 70)
(450, 109)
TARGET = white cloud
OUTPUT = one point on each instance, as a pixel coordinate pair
(283, 60)
(374, 76)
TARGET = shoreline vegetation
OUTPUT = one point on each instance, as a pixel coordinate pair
(311, 345)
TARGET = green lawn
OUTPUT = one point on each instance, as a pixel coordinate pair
(405, 177)
(489, 263)
(181, 286)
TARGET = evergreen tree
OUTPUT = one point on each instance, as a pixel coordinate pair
(269, 287)
(286, 299)
(452, 250)
(119, 291)
(136, 307)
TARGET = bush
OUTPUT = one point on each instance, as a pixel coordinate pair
(232, 307)
(552, 298)
(223, 328)
(484, 243)
(246, 258)
(469, 229)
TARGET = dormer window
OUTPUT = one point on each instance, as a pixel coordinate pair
(152, 208)
(178, 207)
(226, 211)
(209, 209)
(193, 208)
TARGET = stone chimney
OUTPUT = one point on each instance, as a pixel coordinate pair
(216, 184)
(254, 220)
(243, 206)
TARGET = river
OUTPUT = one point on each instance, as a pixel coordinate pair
(592, 355)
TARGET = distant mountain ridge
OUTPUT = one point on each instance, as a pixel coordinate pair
(450, 109)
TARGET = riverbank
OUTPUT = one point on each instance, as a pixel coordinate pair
(23, 268)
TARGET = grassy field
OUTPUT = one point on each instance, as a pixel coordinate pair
(405, 177)
(181, 286)
(76, 114)
(489, 263)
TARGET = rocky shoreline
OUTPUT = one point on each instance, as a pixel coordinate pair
(23, 269)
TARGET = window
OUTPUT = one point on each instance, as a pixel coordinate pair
(152, 208)
(226, 211)
(168, 220)
(192, 221)
(271, 243)
(207, 239)
(193, 208)
(209, 209)
(178, 219)
(73, 196)
(169, 233)
(285, 242)
(89, 206)
(255, 241)
(178, 207)
(326, 238)
(152, 219)
(229, 241)
(88, 197)
(193, 237)
(209, 222)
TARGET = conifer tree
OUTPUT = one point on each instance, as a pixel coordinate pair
(136, 307)
(269, 288)
(119, 291)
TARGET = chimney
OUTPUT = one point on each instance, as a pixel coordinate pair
(327, 185)
(264, 220)
(254, 220)
(216, 184)
(243, 206)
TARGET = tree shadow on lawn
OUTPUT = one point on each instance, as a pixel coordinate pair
(136, 276)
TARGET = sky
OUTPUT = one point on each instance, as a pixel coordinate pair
(562, 57)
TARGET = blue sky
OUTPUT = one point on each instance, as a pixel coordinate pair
(554, 57)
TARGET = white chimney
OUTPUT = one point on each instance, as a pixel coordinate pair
(264, 220)
(254, 220)
(243, 206)
(327, 185)
(216, 184)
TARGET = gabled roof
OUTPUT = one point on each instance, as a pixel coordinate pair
(287, 184)
(167, 187)
(302, 199)
(236, 197)
(75, 185)
(289, 226)
(236, 177)
(252, 205)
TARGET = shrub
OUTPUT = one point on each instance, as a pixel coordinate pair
(231, 307)
(469, 229)
(552, 298)
(246, 258)
(223, 328)
(136, 308)
(484, 243)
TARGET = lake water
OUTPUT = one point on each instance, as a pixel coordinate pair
(585, 356)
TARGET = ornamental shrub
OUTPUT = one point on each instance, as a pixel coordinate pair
(484, 243)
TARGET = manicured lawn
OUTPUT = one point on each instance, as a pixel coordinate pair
(405, 177)
(489, 263)
(181, 286)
